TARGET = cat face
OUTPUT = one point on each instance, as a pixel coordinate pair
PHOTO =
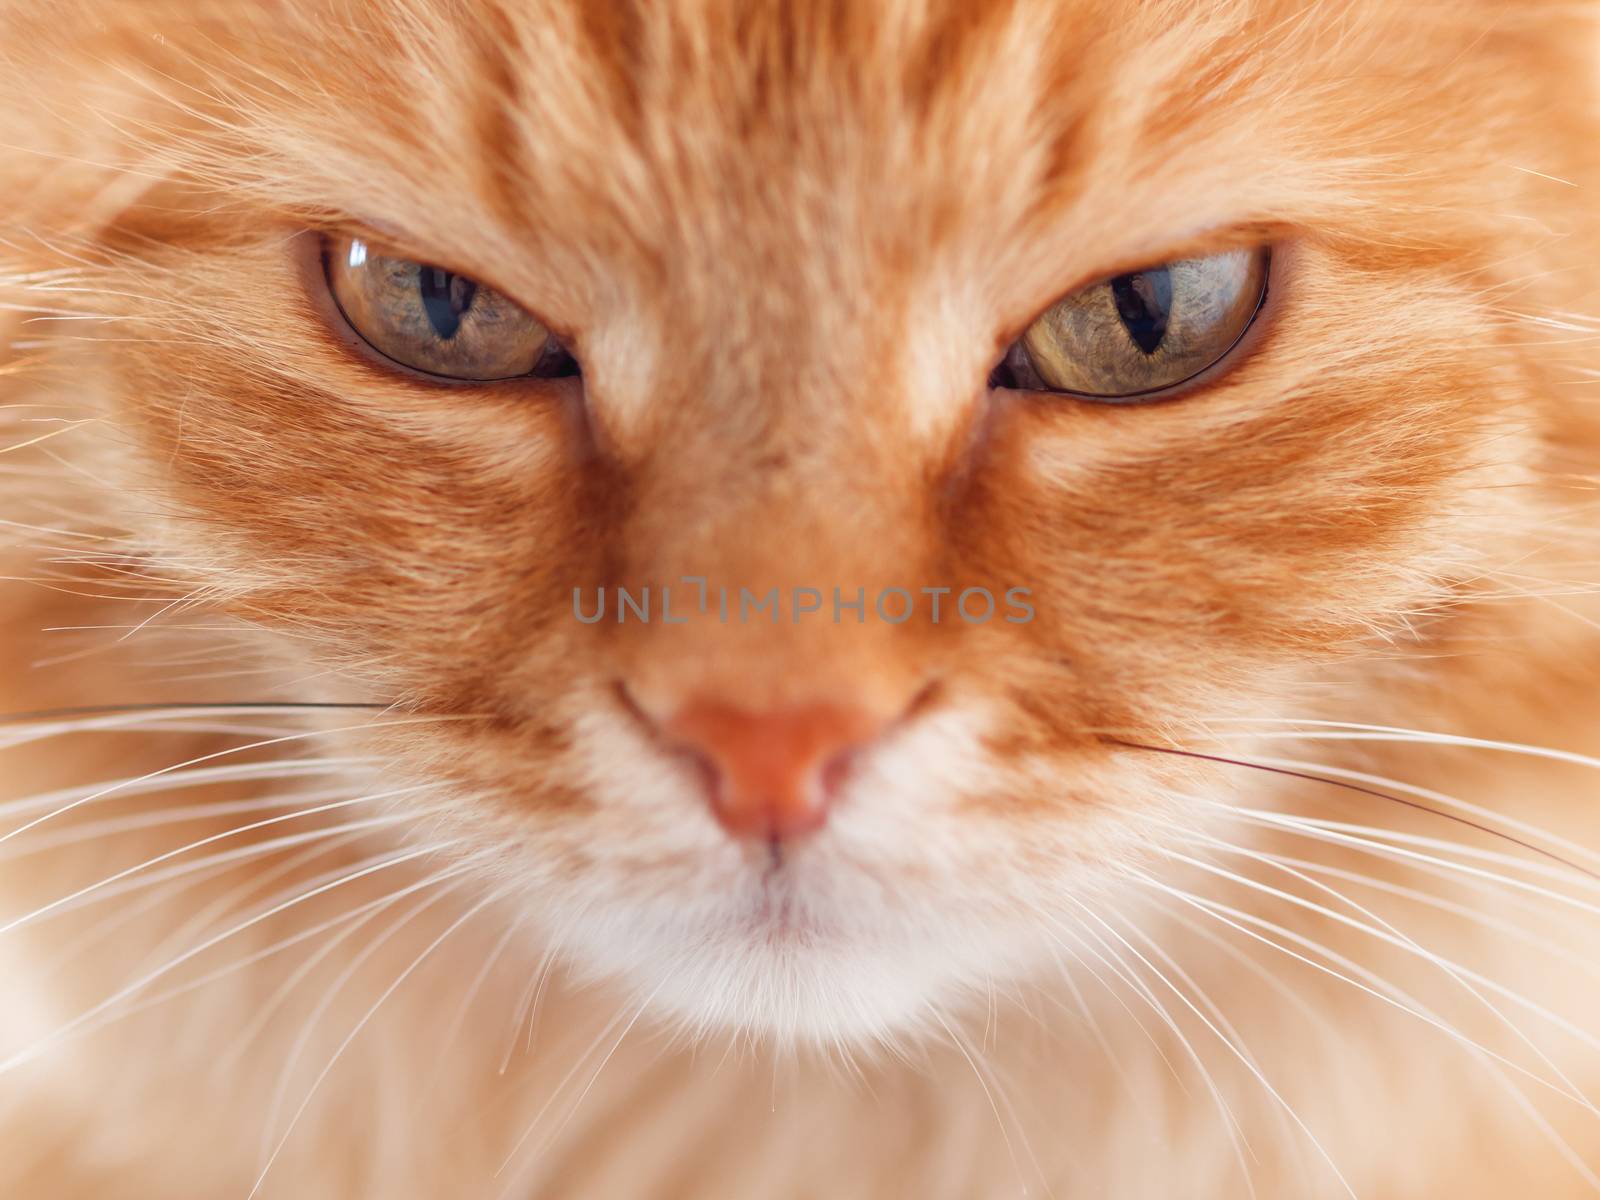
(785, 256)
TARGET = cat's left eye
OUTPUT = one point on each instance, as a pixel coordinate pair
(437, 321)
(1138, 335)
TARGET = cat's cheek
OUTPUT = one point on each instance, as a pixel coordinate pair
(1183, 552)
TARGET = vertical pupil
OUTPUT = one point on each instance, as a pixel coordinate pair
(1144, 302)
(445, 296)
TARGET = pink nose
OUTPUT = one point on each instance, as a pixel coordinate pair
(773, 773)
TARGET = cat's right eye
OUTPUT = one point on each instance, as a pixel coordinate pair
(436, 321)
(1142, 335)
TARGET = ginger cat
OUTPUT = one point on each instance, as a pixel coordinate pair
(943, 599)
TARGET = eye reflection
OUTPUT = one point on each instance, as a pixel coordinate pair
(446, 297)
(1144, 302)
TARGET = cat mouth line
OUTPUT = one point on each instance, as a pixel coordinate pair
(777, 914)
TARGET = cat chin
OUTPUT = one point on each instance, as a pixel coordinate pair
(806, 999)
(794, 989)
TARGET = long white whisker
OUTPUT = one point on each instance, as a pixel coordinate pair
(1114, 962)
(314, 1018)
(1097, 1033)
(1466, 912)
(990, 1094)
(21, 1057)
(491, 960)
(1055, 930)
(1481, 812)
(1358, 732)
(177, 814)
(110, 889)
(356, 921)
(302, 935)
(1460, 972)
(210, 839)
(1374, 986)
(156, 897)
(204, 758)
(639, 1012)
(362, 1024)
(1383, 842)
(1244, 1058)
(1459, 975)
(195, 777)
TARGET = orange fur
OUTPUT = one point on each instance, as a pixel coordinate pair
(787, 242)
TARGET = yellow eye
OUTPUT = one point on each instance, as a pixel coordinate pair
(1142, 332)
(437, 321)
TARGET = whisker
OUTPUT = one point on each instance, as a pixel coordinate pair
(990, 1094)
(178, 814)
(120, 883)
(1269, 978)
(357, 920)
(1086, 1014)
(1333, 831)
(1357, 731)
(1360, 789)
(1466, 912)
(181, 708)
(219, 973)
(491, 960)
(258, 877)
(46, 723)
(309, 1026)
(22, 1057)
(1487, 1058)
(560, 1087)
(1401, 943)
(1053, 930)
(1119, 967)
(1375, 986)
(1226, 1027)
(1236, 1131)
(204, 758)
(1458, 974)
(526, 1010)
(136, 785)
(1482, 812)
(362, 1024)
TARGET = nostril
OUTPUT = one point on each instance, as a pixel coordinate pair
(767, 775)
(836, 770)
(702, 765)
(775, 773)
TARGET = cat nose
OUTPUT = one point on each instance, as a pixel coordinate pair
(773, 775)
